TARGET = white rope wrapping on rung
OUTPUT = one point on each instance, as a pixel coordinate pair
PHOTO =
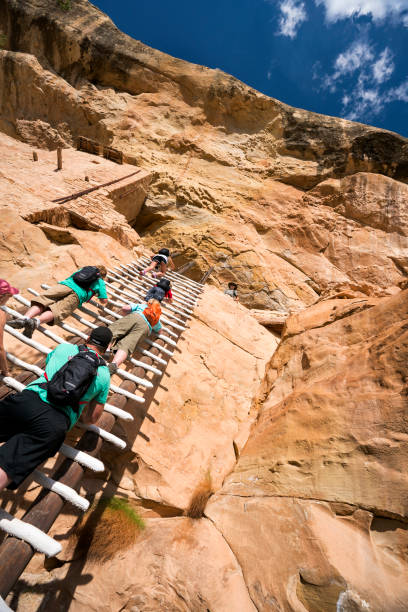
(39, 540)
(46, 350)
(175, 325)
(178, 278)
(147, 367)
(135, 282)
(84, 321)
(185, 296)
(74, 330)
(22, 300)
(23, 364)
(129, 303)
(12, 383)
(67, 493)
(133, 378)
(128, 394)
(137, 268)
(29, 341)
(105, 435)
(118, 412)
(167, 340)
(92, 463)
(168, 331)
(93, 314)
(18, 386)
(177, 286)
(187, 281)
(141, 294)
(149, 354)
(158, 346)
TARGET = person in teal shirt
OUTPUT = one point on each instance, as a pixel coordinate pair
(60, 301)
(32, 428)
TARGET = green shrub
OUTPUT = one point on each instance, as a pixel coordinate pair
(66, 5)
(108, 528)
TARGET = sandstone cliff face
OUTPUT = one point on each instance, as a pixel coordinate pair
(301, 441)
(323, 473)
(217, 148)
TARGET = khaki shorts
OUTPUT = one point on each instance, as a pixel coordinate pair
(60, 299)
(128, 331)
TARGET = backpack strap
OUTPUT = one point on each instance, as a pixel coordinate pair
(84, 349)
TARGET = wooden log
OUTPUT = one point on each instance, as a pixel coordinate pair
(59, 158)
(206, 275)
(16, 554)
(187, 266)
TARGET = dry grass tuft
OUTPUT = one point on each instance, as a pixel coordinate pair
(109, 527)
(200, 497)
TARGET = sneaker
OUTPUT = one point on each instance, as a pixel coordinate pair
(113, 368)
(142, 273)
(17, 323)
(154, 274)
(29, 326)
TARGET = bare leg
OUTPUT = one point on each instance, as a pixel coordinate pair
(46, 317)
(150, 267)
(120, 357)
(163, 269)
(4, 479)
(33, 311)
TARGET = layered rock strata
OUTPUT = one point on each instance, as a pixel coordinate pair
(221, 153)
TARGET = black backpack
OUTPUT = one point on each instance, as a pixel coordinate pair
(86, 276)
(164, 284)
(73, 379)
(155, 293)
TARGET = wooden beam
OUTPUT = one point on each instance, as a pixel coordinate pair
(16, 554)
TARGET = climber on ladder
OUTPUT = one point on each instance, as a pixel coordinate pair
(6, 292)
(161, 291)
(160, 261)
(139, 321)
(33, 423)
(60, 300)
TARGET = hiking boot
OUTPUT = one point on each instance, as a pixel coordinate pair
(17, 323)
(113, 368)
(29, 326)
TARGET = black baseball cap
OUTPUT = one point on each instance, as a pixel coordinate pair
(232, 284)
(100, 336)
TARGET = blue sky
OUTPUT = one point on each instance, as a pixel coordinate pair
(346, 58)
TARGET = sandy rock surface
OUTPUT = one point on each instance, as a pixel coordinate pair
(221, 153)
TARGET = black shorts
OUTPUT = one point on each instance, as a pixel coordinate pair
(32, 431)
(159, 259)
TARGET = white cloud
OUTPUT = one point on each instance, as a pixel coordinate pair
(358, 55)
(359, 74)
(383, 67)
(293, 14)
(377, 9)
(398, 94)
(353, 58)
(363, 102)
